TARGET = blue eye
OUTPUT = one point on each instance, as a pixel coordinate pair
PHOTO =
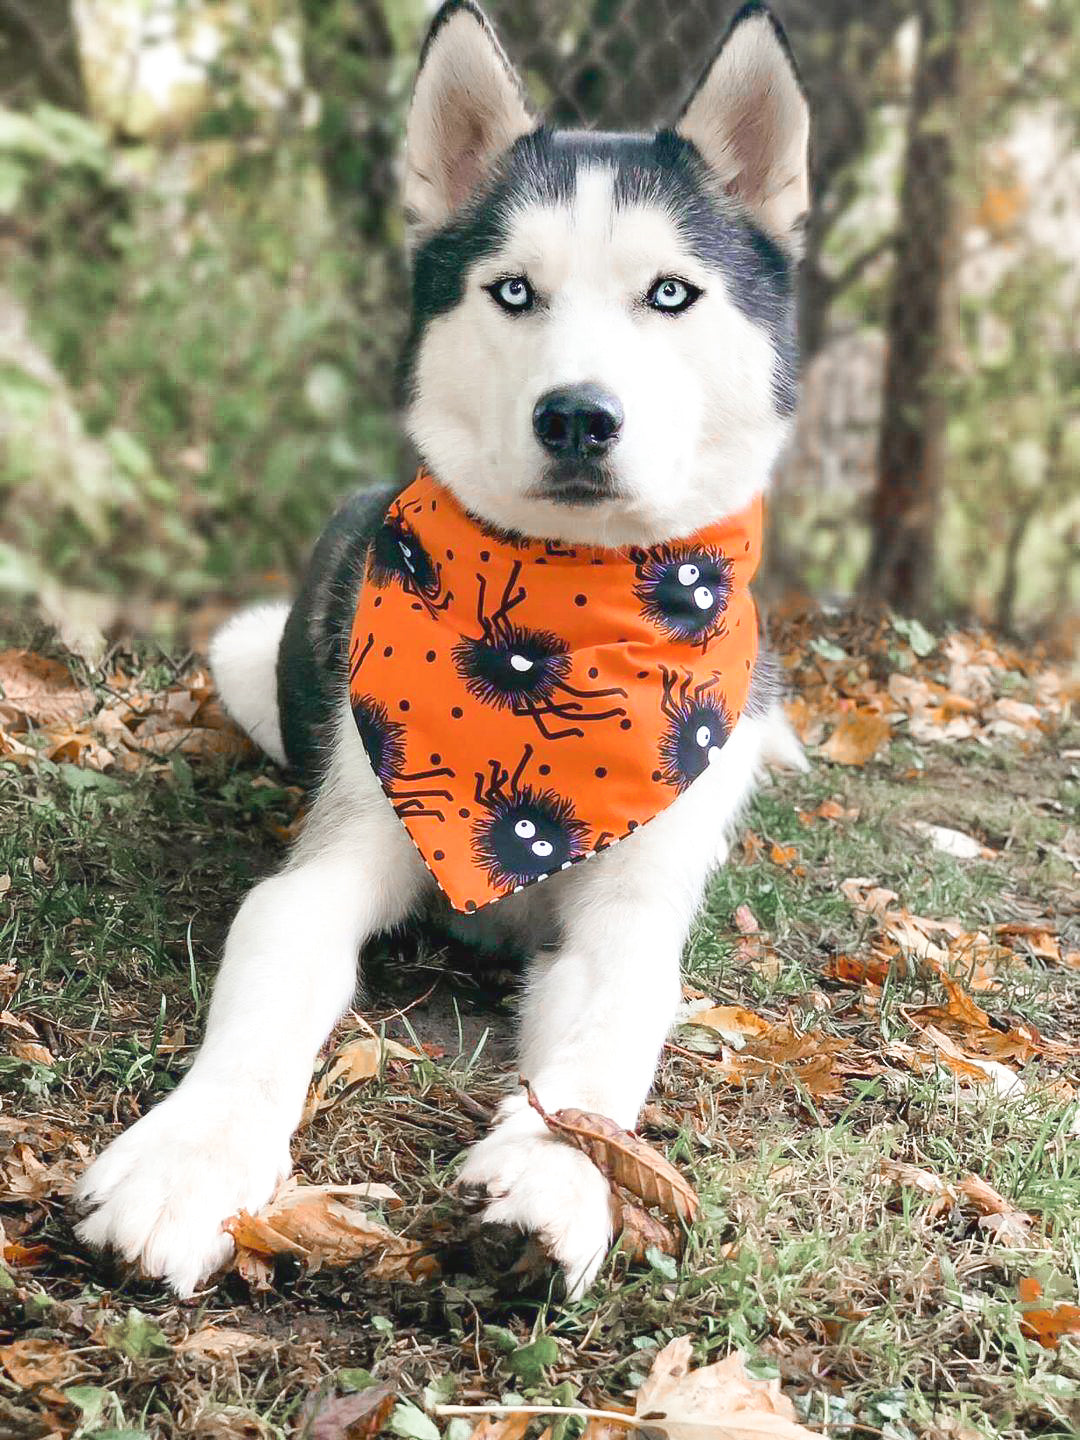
(671, 295)
(514, 294)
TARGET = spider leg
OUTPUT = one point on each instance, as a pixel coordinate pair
(526, 756)
(414, 810)
(537, 717)
(592, 694)
(509, 601)
(574, 711)
(424, 774)
(359, 659)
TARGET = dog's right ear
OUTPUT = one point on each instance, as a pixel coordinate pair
(467, 108)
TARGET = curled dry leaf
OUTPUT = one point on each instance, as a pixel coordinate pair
(733, 1022)
(943, 1195)
(39, 1364)
(358, 1416)
(1005, 1221)
(510, 1427)
(310, 1221)
(215, 1342)
(716, 1402)
(640, 1232)
(624, 1158)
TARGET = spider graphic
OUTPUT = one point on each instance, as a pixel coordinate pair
(525, 671)
(384, 741)
(397, 556)
(526, 833)
(699, 724)
(684, 590)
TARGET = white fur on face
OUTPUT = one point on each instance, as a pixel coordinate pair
(700, 433)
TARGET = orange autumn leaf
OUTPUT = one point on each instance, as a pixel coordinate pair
(857, 738)
(1045, 1324)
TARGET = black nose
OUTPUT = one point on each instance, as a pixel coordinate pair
(577, 422)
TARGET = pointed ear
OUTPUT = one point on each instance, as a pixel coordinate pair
(467, 108)
(749, 120)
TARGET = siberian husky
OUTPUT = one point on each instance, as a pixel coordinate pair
(646, 282)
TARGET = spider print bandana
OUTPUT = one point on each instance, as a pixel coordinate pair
(525, 704)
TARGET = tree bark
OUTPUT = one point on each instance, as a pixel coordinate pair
(907, 495)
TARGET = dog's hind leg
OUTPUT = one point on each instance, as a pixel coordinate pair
(220, 1142)
(243, 660)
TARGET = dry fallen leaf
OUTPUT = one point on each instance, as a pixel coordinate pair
(857, 738)
(38, 691)
(311, 1221)
(731, 1021)
(215, 1342)
(639, 1232)
(1004, 1220)
(359, 1416)
(34, 1363)
(716, 1402)
(1046, 1324)
(624, 1158)
(943, 1195)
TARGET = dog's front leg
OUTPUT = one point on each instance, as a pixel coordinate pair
(220, 1141)
(595, 1016)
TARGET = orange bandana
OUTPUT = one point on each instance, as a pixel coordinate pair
(523, 703)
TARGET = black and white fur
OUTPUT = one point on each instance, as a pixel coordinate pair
(593, 223)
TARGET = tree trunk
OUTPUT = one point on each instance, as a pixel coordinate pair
(38, 59)
(906, 500)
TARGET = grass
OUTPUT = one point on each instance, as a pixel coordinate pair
(879, 1318)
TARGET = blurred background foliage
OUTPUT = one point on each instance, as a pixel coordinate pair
(203, 288)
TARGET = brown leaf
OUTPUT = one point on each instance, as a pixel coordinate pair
(1004, 1220)
(28, 1050)
(639, 1231)
(857, 738)
(359, 1416)
(310, 1222)
(38, 691)
(39, 1364)
(731, 1020)
(715, 1402)
(510, 1427)
(862, 969)
(215, 1342)
(624, 1158)
(944, 1195)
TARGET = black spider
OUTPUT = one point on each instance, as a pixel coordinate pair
(384, 741)
(525, 671)
(684, 590)
(699, 724)
(398, 557)
(526, 833)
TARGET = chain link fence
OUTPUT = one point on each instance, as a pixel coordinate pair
(216, 292)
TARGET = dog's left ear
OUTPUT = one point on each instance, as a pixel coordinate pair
(749, 120)
(468, 107)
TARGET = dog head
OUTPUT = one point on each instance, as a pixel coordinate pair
(603, 340)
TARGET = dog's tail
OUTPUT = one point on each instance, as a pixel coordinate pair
(243, 660)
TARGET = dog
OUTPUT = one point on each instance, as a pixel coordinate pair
(602, 360)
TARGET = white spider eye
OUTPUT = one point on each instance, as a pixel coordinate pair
(521, 663)
(406, 550)
(542, 848)
(525, 829)
(704, 598)
(688, 574)
(513, 294)
(703, 736)
(714, 754)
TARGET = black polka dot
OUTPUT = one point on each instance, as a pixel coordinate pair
(600, 772)
(457, 712)
(449, 554)
(438, 855)
(403, 705)
(436, 759)
(544, 769)
(580, 600)
(631, 825)
(656, 776)
(485, 556)
(747, 545)
(593, 672)
(388, 652)
(625, 724)
(378, 601)
(463, 812)
(748, 664)
(541, 560)
(470, 906)
(416, 605)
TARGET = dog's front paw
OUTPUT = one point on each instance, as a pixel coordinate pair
(542, 1186)
(160, 1191)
